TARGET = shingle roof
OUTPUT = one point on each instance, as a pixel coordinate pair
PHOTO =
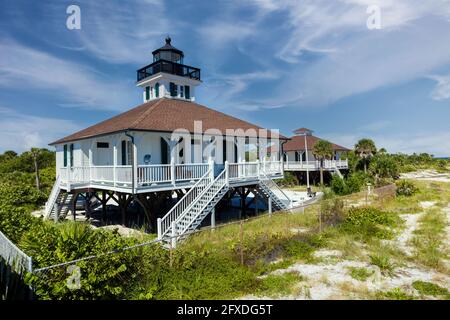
(165, 115)
(298, 143)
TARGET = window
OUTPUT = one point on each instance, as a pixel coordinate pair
(297, 156)
(65, 155)
(182, 91)
(157, 90)
(164, 151)
(147, 93)
(173, 89)
(102, 145)
(187, 93)
(126, 150)
(71, 155)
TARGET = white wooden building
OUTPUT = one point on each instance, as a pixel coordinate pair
(169, 144)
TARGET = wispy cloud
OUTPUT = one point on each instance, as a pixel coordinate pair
(73, 83)
(442, 89)
(20, 132)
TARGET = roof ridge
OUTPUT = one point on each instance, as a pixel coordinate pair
(145, 113)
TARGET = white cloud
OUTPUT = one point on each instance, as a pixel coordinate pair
(121, 32)
(442, 89)
(75, 84)
(21, 132)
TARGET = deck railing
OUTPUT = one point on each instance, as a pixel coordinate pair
(315, 164)
(149, 175)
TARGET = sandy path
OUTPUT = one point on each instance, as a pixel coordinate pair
(332, 280)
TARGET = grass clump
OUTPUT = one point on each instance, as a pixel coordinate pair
(429, 237)
(394, 294)
(276, 285)
(383, 262)
(361, 274)
(430, 289)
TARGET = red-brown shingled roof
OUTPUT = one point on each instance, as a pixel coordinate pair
(298, 143)
(164, 115)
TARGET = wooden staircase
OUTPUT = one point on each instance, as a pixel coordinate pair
(58, 204)
(188, 213)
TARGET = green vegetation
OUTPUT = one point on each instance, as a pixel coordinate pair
(383, 262)
(394, 294)
(276, 285)
(211, 265)
(429, 239)
(406, 188)
(361, 274)
(370, 222)
(430, 289)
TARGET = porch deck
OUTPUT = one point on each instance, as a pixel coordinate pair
(161, 177)
(315, 165)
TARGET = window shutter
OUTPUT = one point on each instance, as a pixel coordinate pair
(71, 155)
(157, 90)
(187, 92)
(173, 89)
(65, 155)
(124, 153)
(147, 93)
(182, 91)
(164, 152)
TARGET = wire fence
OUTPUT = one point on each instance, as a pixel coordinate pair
(128, 266)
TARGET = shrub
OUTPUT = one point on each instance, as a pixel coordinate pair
(289, 180)
(370, 222)
(406, 188)
(338, 185)
(394, 294)
(332, 211)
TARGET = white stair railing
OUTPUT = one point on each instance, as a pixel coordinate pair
(165, 223)
(206, 197)
(52, 197)
(276, 190)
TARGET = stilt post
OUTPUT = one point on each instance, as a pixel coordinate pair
(270, 206)
(159, 228)
(213, 218)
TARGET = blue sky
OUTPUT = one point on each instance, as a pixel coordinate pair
(280, 64)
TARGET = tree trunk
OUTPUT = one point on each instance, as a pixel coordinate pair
(321, 173)
(365, 166)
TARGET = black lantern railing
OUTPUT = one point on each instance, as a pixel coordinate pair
(168, 67)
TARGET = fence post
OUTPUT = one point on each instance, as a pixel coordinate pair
(174, 234)
(241, 239)
(158, 227)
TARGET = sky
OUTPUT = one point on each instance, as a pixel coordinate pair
(279, 64)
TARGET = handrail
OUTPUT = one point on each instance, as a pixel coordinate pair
(221, 176)
(272, 183)
(171, 215)
(52, 196)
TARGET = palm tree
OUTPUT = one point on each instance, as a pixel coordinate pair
(365, 149)
(323, 150)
